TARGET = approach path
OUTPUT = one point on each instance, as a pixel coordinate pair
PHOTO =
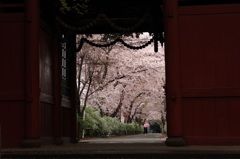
(140, 138)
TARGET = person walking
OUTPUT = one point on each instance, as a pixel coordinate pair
(145, 128)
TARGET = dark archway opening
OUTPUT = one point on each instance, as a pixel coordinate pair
(126, 86)
(109, 17)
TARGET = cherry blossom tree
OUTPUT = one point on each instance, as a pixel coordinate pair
(121, 82)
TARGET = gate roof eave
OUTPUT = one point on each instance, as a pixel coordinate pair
(118, 16)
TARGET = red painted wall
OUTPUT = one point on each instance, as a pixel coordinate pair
(30, 83)
(12, 79)
(47, 49)
(210, 78)
(66, 122)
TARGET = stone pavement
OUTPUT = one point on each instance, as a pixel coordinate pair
(125, 147)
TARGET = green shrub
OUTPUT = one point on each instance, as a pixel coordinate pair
(97, 126)
(130, 128)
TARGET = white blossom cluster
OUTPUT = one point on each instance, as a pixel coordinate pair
(123, 83)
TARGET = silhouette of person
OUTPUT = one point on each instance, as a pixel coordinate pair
(145, 128)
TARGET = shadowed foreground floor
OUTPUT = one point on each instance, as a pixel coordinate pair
(128, 147)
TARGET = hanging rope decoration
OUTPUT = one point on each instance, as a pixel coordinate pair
(104, 17)
(116, 27)
(113, 43)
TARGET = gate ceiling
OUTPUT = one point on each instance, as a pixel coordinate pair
(116, 16)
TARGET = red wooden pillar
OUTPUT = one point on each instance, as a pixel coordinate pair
(173, 92)
(72, 41)
(32, 114)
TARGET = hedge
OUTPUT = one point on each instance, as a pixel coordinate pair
(94, 125)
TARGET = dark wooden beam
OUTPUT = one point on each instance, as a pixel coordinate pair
(124, 14)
